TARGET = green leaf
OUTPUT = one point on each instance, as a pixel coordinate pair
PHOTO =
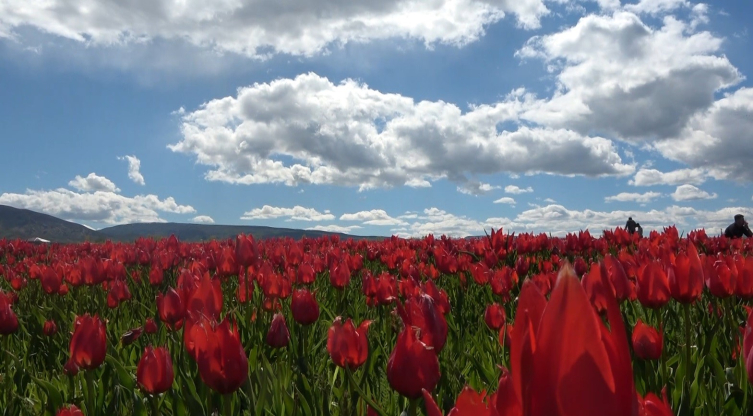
(55, 399)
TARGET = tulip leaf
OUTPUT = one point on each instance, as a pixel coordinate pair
(55, 400)
(123, 375)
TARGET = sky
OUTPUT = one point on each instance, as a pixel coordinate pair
(384, 117)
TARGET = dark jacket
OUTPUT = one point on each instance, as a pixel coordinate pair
(630, 225)
(737, 231)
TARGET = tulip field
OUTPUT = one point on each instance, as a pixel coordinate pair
(497, 325)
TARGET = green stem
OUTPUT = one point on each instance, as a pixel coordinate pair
(412, 407)
(367, 399)
(154, 402)
(688, 368)
(250, 393)
(227, 401)
(90, 400)
(6, 377)
(663, 355)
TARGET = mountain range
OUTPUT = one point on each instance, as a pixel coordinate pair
(24, 224)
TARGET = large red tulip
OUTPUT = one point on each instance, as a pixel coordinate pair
(155, 371)
(571, 363)
(223, 364)
(413, 366)
(647, 342)
(348, 346)
(304, 307)
(171, 309)
(88, 346)
(70, 410)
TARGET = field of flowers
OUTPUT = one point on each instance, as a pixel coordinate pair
(501, 325)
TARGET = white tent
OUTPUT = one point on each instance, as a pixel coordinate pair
(38, 240)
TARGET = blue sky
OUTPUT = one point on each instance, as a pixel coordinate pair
(395, 117)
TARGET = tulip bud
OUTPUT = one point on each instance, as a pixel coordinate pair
(278, 335)
(304, 307)
(647, 342)
(150, 327)
(50, 328)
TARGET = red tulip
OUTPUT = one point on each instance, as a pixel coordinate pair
(421, 311)
(117, 293)
(346, 344)
(278, 335)
(155, 371)
(70, 410)
(50, 328)
(494, 316)
(469, 403)
(686, 276)
(651, 405)
(50, 280)
(653, 286)
(647, 342)
(412, 366)
(304, 307)
(171, 309)
(89, 342)
(223, 365)
(507, 403)
(719, 278)
(595, 288)
(150, 327)
(591, 373)
(8, 318)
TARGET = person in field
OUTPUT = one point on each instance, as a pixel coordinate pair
(631, 225)
(738, 228)
(639, 229)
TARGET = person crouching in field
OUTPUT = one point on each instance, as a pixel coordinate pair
(738, 228)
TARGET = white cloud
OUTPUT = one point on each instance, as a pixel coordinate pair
(505, 200)
(476, 188)
(656, 7)
(134, 165)
(258, 28)
(417, 183)
(512, 189)
(550, 200)
(334, 228)
(373, 217)
(650, 177)
(331, 134)
(618, 76)
(203, 219)
(633, 197)
(92, 183)
(720, 138)
(558, 220)
(99, 206)
(691, 193)
(297, 213)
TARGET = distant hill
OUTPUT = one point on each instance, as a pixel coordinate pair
(205, 232)
(26, 224)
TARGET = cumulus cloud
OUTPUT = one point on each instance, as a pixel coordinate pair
(691, 193)
(92, 183)
(373, 217)
(297, 213)
(505, 200)
(512, 189)
(476, 188)
(203, 219)
(99, 206)
(719, 138)
(650, 177)
(134, 165)
(334, 228)
(618, 76)
(350, 135)
(558, 220)
(258, 28)
(633, 197)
